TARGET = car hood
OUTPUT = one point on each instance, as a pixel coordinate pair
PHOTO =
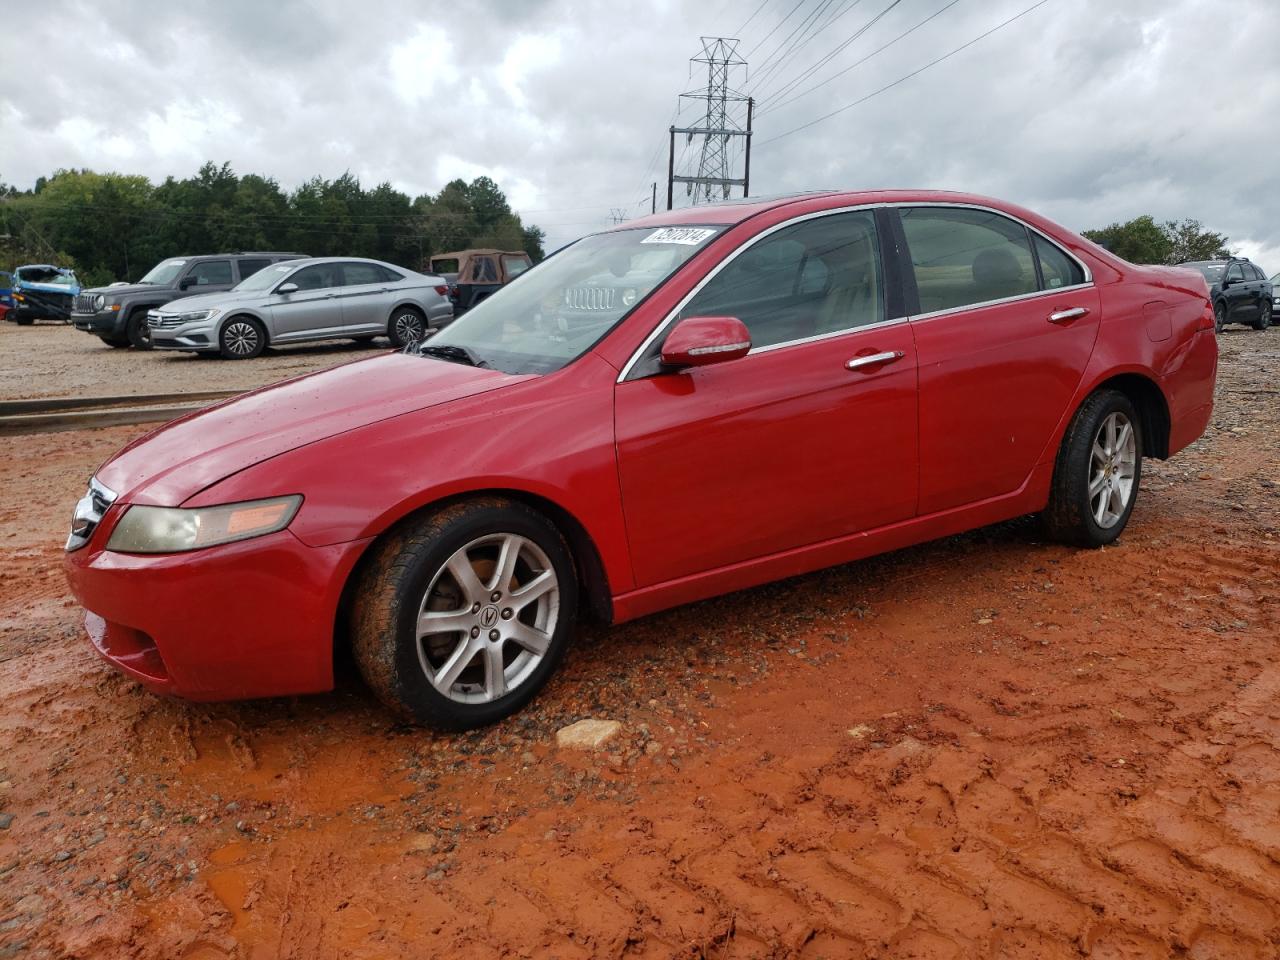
(179, 460)
(203, 301)
(129, 289)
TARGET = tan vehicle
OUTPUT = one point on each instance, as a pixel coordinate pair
(475, 274)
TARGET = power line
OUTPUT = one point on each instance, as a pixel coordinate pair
(776, 27)
(914, 73)
(763, 4)
(804, 75)
(774, 59)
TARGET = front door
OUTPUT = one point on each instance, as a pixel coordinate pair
(313, 309)
(810, 437)
(1005, 327)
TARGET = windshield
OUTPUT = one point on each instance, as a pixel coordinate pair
(266, 277)
(164, 274)
(51, 276)
(561, 308)
(1210, 271)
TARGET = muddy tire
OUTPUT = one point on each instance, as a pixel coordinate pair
(405, 326)
(137, 331)
(459, 616)
(115, 342)
(1097, 474)
(1264, 317)
(242, 338)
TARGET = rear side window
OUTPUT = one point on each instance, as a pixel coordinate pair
(389, 276)
(317, 277)
(484, 270)
(209, 272)
(360, 273)
(249, 267)
(816, 277)
(962, 257)
(1056, 267)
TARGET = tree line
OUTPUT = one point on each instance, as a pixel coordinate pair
(1143, 240)
(112, 226)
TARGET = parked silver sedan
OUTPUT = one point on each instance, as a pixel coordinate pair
(322, 298)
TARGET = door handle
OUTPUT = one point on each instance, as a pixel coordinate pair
(1066, 316)
(889, 356)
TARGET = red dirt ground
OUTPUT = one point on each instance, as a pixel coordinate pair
(982, 747)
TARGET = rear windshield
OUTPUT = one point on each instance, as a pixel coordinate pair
(51, 275)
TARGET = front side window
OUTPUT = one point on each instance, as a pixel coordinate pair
(1056, 267)
(559, 310)
(208, 273)
(1234, 272)
(318, 276)
(812, 278)
(962, 256)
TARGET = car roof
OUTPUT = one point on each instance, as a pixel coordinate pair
(307, 261)
(459, 254)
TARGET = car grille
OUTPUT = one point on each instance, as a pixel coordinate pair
(163, 321)
(84, 303)
(88, 514)
(590, 298)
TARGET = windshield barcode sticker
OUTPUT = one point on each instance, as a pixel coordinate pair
(689, 236)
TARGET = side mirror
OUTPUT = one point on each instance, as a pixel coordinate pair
(287, 288)
(186, 283)
(700, 341)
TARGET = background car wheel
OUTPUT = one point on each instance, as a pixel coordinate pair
(1219, 316)
(1099, 467)
(137, 330)
(24, 321)
(407, 326)
(242, 338)
(459, 617)
(1264, 316)
(114, 342)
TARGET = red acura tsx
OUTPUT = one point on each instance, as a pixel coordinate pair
(686, 405)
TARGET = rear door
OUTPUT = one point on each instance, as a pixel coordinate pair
(1005, 324)
(1235, 287)
(313, 310)
(366, 297)
(247, 266)
(810, 437)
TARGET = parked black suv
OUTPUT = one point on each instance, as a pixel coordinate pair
(117, 314)
(1241, 293)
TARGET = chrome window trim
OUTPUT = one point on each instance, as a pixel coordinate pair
(895, 204)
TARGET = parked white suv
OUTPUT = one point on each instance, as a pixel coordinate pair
(321, 298)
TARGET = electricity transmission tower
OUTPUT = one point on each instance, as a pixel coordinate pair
(713, 180)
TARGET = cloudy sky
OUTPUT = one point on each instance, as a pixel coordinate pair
(1087, 110)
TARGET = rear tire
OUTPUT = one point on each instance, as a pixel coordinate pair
(242, 338)
(137, 330)
(406, 326)
(1098, 472)
(1219, 316)
(461, 651)
(24, 321)
(115, 342)
(1264, 317)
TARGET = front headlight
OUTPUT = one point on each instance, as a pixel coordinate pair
(197, 315)
(99, 302)
(146, 529)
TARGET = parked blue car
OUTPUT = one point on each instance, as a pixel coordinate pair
(42, 290)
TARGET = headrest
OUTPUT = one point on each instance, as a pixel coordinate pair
(996, 265)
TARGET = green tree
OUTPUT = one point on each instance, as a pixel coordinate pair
(1141, 240)
(1190, 241)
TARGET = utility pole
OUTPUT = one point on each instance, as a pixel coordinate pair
(618, 215)
(653, 204)
(713, 179)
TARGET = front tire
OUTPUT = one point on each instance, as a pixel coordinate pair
(137, 330)
(459, 617)
(406, 326)
(115, 342)
(1097, 474)
(1264, 316)
(242, 338)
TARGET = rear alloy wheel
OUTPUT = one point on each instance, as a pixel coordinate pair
(242, 338)
(138, 330)
(1099, 467)
(1219, 316)
(407, 326)
(1264, 316)
(460, 617)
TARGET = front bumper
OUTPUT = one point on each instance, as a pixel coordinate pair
(248, 619)
(168, 334)
(102, 323)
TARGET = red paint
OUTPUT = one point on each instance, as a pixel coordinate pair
(690, 483)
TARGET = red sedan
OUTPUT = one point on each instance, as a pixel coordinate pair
(690, 404)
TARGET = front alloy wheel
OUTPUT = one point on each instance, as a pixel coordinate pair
(460, 616)
(241, 339)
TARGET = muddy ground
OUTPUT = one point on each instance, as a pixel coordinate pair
(50, 359)
(986, 746)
